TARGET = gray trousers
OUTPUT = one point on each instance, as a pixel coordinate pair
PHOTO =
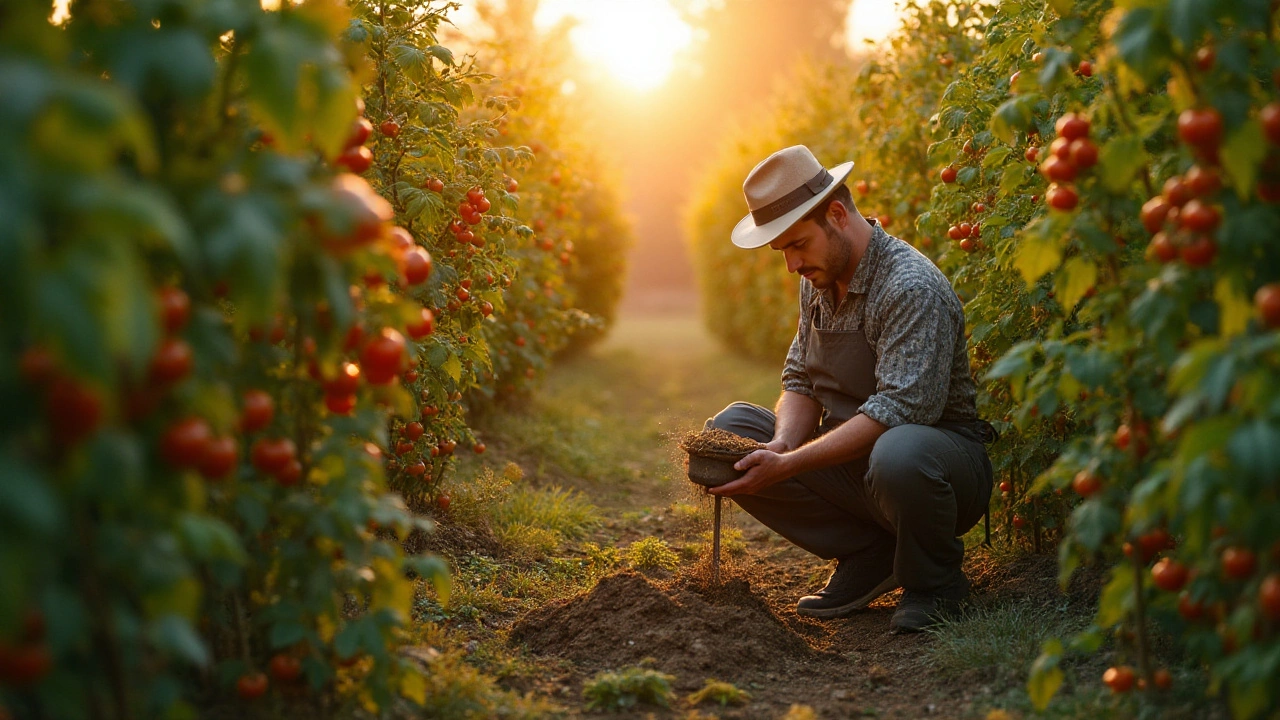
(920, 489)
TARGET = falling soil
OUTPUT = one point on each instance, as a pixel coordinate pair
(729, 634)
(713, 442)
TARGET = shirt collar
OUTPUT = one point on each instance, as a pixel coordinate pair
(866, 266)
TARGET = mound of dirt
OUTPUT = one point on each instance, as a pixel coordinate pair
(729, 634)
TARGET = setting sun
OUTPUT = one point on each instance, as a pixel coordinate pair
(635, 41)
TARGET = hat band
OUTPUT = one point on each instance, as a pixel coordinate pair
(793, 199)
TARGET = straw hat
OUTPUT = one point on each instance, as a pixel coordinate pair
(783, 188)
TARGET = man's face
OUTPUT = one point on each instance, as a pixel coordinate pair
(813, 253)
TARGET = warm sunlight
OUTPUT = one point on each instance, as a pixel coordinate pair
(870, 20)
(636, 41)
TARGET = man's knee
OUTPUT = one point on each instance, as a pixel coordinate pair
(901, 466)
(745, 419)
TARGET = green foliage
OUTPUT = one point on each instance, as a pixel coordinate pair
(652, 553)
(721, 693)
(627, 688)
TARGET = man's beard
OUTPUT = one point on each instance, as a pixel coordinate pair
(839, 251)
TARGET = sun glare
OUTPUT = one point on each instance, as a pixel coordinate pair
(635, 41)
(870, 20)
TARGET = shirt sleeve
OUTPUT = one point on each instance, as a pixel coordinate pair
(794, 376)
(913, 365)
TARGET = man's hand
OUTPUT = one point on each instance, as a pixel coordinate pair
(764, 468)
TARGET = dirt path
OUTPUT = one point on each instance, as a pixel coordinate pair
(604, 425)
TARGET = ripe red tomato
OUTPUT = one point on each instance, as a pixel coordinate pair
(175, 308)
(443, 502)
(1006, 486)
(862, 187)
(1203, 181)
(430, 411)
(1169, 574)
(1072, 126)
(1205, 57)
(1270, 117)
(1032, 154)
(1269, 596)
(284, 668)
(1163, 679)
(339, 404)
(1058, 170)
(172, 361)
(272, 455)
(185, 443)
(251, 686)
(486, 308)
(1199, 216)
(383, 356)
(949, 174)
(390, 128)
(356, 159)
(512, 185)
(258, 410)
(1201, 127)
(1154, 541)
(1084, 154)
(478, 448)
(1200, 251)
(1189, 608)
(463, 294)
(1154, 212)
(472, 219)
(1013, 82)
(953, 232)
(417, 469)
(416, 266)
(363, 212)
(1085, 69)
(1119, 679)
(447, 446)
(220, 458)
(413, 430)
(1018, 522)
(346, 382)
(361, 129)
(968, 245)
(423, 327)
(1062, 197)
(482, 205)
(24, 665)
(1267, 302)
(1163, 248)
(1086, 484)
(1238, 563)
(290, 474)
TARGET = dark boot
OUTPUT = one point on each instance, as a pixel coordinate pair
(857, 581)
(919, 611)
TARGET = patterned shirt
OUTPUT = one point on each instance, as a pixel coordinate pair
(914, 323)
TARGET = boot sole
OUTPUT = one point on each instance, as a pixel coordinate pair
(852, 606)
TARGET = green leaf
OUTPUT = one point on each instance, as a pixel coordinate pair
(411, 60)
(26, 500)
(286, 633)
(1248, 699)
(1046, 677)
(176, 636)
(441, 53)
(1012, 115)
(1012, 178)
(1205, 437)
(1143, 43)
(1116, 597)
(1037, 255)
(996, 157)
(453, 367)
(1234, 308)
(209, 538)
(1122, 157)
(1255, 448)
(1093, 522)
(1242, 154)
(1077, 277)
(967, 175)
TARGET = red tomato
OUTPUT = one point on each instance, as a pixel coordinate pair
(1119, 679)
(1085, 69)
(478, 448)
(1269, 596)
(382, 357)
(361, 129)
(1203, 181)
(356, 159)
(1154, 212)
(1062, 197)
(257, 412)
(1163, 248)
(953, 232)
(416, 266)
(1170, 575)
(1270, 117)
(185, 443)
(220, 458)
(435, 185)
(417, 469)
(1201, 127)
(1006, 486)
(422, 328)
(1199, 216)
(443, 502)
(1189, 608)
(1084, 154)
(1239, 562)
(175, 308)
(339, 404)
(271, 455)
(1154, 541)
(346, 382)
(284, 668)
(512, 185)
(1177, 192)
(401, 240)
(463, 294)
(1162, 678)
(1032, 154)
(1086, 483)
(1200, 251)
(36, 365)
(1057, 169)
(1267, 302)
(1072, 126)
(24, 665)
(390, 128)
(251, 686)
(172, 361)
(968, 245)
(949, 174)
(413, 430)
(486, 308)
(290, 474)
(1205, 57)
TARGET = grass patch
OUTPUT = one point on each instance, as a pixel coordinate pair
(721, 693)
(566, 513)
(627, 688)
(1004, 638)
(652, 553)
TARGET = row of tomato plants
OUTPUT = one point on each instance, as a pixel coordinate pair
(259, 262)
(1101, 191)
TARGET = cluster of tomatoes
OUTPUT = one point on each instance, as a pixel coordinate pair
(355, 156)
(1238, 566)
(284, 668)
(1070, 152)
